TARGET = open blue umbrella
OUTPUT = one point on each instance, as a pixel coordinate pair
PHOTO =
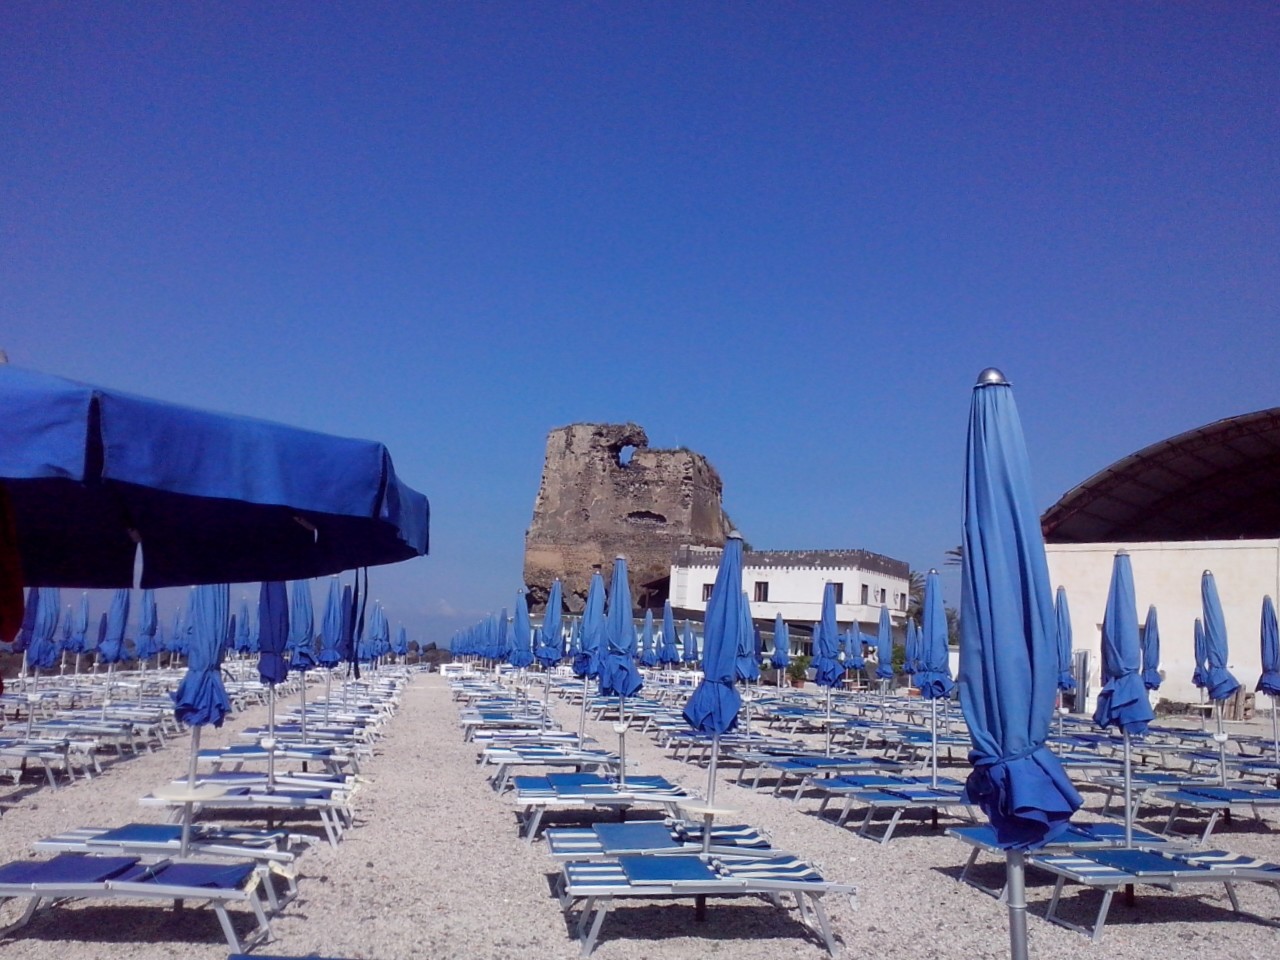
(1218, 680)
(712, 708)
(521, 655)
(1123, 701)
(92, 473)
(1269, 682)
(884, 647)
(1008, 650)
(781, 657)
(1151, 650)
(934, 677)
(668, 652)
(648, 650)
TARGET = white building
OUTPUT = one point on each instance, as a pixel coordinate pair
(1206, 499)
(791, 582)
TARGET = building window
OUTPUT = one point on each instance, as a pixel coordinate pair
(865, 590)
(839, 591)
(883, 592)
(706, 592)
(762, 591)
(902, 601)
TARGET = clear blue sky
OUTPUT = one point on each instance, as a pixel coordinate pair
(786, 235)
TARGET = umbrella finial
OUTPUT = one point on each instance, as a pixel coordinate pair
(933, 569)
(991, 377)
(733, 535)
(1122, 552)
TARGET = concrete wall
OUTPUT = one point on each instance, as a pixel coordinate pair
(1168, 575)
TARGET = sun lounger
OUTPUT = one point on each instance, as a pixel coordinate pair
(1110, 869)
(897, 799)
(602, 840)
(568, 791)
(330, 806)
(1216, 801)
(598, 886)
(808, 771)
(82, 876)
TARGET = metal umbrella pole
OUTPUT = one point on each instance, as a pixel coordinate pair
(933, 752)
(1221, 738)
(708, 817)
(1016, 894)
(620, 728)
(1128, 791)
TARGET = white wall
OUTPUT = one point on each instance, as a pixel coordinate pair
(1168, 575)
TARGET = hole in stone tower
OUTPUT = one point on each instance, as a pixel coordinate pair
(625, 454)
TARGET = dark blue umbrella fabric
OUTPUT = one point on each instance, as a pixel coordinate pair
(587, 662)
(23, 639)
(648, 651)
(781, 657)
(1123, 701)
(401, 646)
(144, 644)
(1218, 679)
(746, 667)
(273, 632)
(1151, 650)
(689, 645)
(1198, 674)
(713, 706)
(911, 649)
(43, 652)
(553, 626)
(80, 628)
(1269, 682)
(1008, 651)
(301, 627)
(934, 676)
(212, 498)
(619, 676)
(1062, 621)
(331, 627)
(827, 670)
(201, 698)
(521, 654)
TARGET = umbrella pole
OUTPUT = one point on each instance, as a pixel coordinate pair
(328, 689)
(1016, 893)
(189, 808)
(1202, 708)
(304, 707)
(271, 738)
(582, 712)
(1221, 737)
(1275, 731)
(828, 723)
(1128, 792)
(711, 794)
(933, 746)
(621, 729)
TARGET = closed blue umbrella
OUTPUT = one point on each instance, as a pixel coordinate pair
(1008, 651)
(853, 658)
(1269, 682)
(331, 627)
(781, 658)
(689, 645)
(1151, 650)
(648, 651)
(587, 663)
(273, 637)
(1198, 673)
(302, 639)
(1062, 622)
(177, 642)
(911, 650)
(241, 632)
(43, 652)
(23, 639)
(618, 674)
(1217, 678)
(828, 672)
(884, 646)
(144, 644)
(746, 666)
(668, 652)
(112, 650)
(80, 629)
(521, 655)
(712, 708)
(1123, 701)
(102, 634)
(934, 676)
(401, 645)
(553, 626)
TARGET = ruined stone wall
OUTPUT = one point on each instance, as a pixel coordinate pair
(591, 507)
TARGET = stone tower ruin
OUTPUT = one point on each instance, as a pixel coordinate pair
(594, 504)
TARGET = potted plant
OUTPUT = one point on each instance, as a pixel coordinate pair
(798, 670)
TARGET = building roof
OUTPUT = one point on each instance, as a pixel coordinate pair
(1216, 482)
(806, 559)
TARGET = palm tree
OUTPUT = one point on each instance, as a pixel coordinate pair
(955, 556)
(915, 595)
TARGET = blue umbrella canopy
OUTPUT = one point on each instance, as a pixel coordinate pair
(1151, 650)
(273, 631)
(144, 644)
(1062, 622)
(884, 646)
(591, 627)
(1123, 701)
(302, 625)
(648, 651)
(911, 649)
(241, 632)
(521, 654)
(553, 625)
(80, 627)
(668, 652)
(178, 638)
(1218, 679)
(91, 473)
(1008, 650)
(112, 650)
(43, 652)
(102, 633)
(781, 658)
(1198, 673)
(401, 646)
(689, 644)
(1269, 682)
(828, 671)
(713, 706)
(746, 667)
(201, 698)
(934, 676)
(618, 674)
(331, 627)
(853, 658)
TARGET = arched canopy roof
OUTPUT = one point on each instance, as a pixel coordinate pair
(1217, 482)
